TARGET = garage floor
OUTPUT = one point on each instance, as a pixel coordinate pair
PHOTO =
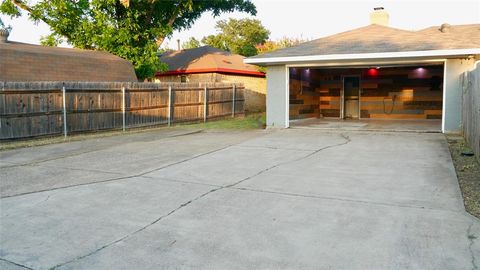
(286, 199)
(432, 125)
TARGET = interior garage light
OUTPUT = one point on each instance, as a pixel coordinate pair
(372, 72)
(420, 72)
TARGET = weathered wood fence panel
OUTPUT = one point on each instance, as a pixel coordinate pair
(29, 109)
(187, 104)
(146, 104)
(471, 109)
(93, 109)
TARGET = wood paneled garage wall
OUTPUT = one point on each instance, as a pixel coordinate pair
(413, 92)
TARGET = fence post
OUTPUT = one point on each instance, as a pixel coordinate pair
(169, 120)
(234, 90)
(205, 103)
(123, 108)
(64, 111)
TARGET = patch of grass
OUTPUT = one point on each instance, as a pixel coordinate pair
(253, 121)
(468, 174)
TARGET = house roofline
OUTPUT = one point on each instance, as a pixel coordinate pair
(211, 70)
(364, 56)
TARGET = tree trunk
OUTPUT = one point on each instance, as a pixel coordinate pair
(172, 19)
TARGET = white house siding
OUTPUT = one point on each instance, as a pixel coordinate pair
(277, 97)
(452, 99)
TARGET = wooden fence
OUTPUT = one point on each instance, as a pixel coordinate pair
(471, 109)
(29, 109)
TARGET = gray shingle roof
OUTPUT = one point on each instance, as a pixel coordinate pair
(377, 39)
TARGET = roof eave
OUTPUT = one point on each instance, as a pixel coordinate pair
(363, 56)
(211, 70)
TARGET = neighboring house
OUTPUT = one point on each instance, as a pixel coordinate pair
(28, 62)
(373, 72)
(208, 64)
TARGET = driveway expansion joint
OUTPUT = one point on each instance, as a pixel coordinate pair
(36, 163)
(82, 169)
(273, 148)
(179, 181)
(471, 238)
(320, 197)
(16, 264)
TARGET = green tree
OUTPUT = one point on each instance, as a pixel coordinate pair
(51, 40)
(216, 41)
(238, 36)
(284, 42)
(133, 30)
(192, 43)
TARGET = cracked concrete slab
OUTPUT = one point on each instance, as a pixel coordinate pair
(118, 159)
(398, 174)
(98, 160)
(45, 229)
(283, 199)
(231, 165)
(286, 232)
(4, 164)
(295, 140)
(239, 162)
(6, 265)
(26, 179)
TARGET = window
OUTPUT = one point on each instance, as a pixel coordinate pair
(183, 78)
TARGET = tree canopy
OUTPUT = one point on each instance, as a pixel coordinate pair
(238, 36)
(192, 43)
(272, 45)
(133, 30)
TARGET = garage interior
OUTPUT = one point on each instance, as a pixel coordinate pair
(408, 94)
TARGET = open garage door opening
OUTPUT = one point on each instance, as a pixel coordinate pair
(405, 95)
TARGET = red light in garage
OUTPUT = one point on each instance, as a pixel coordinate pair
(372, 72)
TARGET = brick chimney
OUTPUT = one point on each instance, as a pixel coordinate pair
(445, 27)
(379, 16)
(4, 33)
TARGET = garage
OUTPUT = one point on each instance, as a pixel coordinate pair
(374, 75)
(413, 93)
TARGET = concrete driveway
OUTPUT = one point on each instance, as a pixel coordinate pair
(287, 199)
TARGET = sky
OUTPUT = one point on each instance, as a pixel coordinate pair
(307, 19)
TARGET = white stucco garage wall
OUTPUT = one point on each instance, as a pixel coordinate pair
(452, 95)
(277, 97)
